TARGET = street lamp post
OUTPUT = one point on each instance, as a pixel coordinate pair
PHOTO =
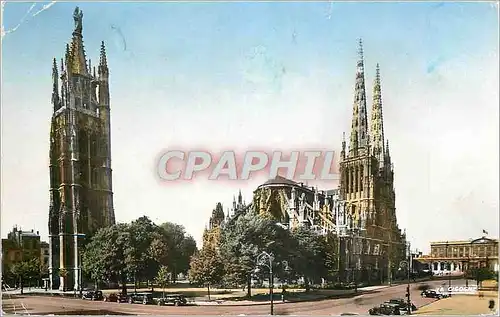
(408, 286)
(266, 259)
(407, 264)
(448, 266)
(466, 271)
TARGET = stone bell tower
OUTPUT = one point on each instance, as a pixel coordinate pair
(81, 197)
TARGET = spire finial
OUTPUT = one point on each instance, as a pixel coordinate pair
(55, 85)
(54, 66)
(360, 49)
(103, 61)
(377, 122)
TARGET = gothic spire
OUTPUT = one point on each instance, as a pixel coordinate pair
(55, 85)
(342, 153)
(387, 159)
(240, 198)
(359, 128)
(77, 51)
(63, 84)
(102, 60)
(377, 120)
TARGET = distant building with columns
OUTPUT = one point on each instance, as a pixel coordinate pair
(456, 257)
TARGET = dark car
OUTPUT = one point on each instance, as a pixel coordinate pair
(386, 309)
(93, 295)
(141, 298)
(402, 304)
(173, 299)
(431, 294)
(121, 298)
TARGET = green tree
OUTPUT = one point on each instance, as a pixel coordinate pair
(188, 249)
(25, 271)
(139, 260)
(163, 277)
(104, 256)
(206, 269)
(180, 248)
(308, 257)
(331, 254)
(244, 239)
(482, 274)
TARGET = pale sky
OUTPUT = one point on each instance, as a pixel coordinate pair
(264, 75)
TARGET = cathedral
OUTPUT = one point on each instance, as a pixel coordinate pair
(361, 212)
(81, 197)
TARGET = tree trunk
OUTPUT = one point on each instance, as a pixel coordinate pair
(208, 287)
(306, 282)
(135, 283)
(124, 287)
(249, 286)
(163, 290)
(174, 276)
(21, 285)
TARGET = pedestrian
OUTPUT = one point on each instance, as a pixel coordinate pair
(491, 306)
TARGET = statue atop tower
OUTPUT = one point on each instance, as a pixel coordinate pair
(78, 17)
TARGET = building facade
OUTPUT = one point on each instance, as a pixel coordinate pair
(19, 246)
(457, 257)
(81, 197)
(44, 254)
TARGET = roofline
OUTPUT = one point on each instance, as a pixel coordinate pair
(302, 186)
(491, 240)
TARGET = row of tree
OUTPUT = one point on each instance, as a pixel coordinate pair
(138, 251)
(233, 261)
(24, 273)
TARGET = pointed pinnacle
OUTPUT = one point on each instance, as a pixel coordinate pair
(103, 61)
(54, 66)
(360, 49)
(377, 74)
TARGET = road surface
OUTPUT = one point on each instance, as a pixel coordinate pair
(43, 305)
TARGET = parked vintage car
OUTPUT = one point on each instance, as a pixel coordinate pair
(141, 298)
(93, 295)
(122, 298)
(433, 294)
(403, 304)
(172, 299)
(386, 309)
(111, 297)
